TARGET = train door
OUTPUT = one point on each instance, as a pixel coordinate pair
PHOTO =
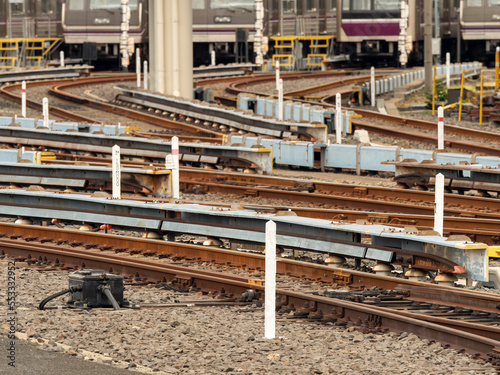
(16, 20)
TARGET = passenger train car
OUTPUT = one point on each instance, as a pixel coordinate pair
(92, 28)
(224, 26)
(369, 29)
(364, 30)
(30, 19)
(479, 27)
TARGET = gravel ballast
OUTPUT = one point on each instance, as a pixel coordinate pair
(214, 340)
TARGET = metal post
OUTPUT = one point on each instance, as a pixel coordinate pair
(448, 67)
(372, 86)
(277, 63)
(439, 203)
(175, 63)
(146, 77)
(23, 99)
(497, 67)
(45, 109)
(428, 44)
(61, 59)
(481, 100)
(434, 91)
(338, 118)
(403, 25)
(270, 282)
(280, 100)
(259, 28)
(461, 95)
(175, 169)
(116, 178)
(124, 36)
(440, 128)
(138, 66)
(212, 55)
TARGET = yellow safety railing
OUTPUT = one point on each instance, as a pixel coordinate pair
(318, 41)
(36, 49)
(286, 56)
(314, 61)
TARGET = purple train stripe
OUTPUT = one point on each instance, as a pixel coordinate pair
(373, 28)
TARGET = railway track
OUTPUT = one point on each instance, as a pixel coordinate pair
(485, 142)
(479, 339)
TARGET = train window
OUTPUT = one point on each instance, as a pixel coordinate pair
(198, 4)
(111, 4)
(387, 4)
(232, 4)
(361, 5)
(45, 7)
(76, 4)
(16, 7)
(474, 3)
(288, 6)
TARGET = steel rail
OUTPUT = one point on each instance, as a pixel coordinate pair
(367, 319)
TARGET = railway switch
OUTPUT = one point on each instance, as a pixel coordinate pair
(95, 288)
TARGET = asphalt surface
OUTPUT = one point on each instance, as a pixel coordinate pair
(30, 360)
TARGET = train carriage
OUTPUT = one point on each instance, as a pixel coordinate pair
(92, 28)
(480, 27)
(30, 19)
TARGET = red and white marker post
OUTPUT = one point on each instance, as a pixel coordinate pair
(440, 128)
(23, 99)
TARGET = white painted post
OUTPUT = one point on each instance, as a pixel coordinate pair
(338, 118)
(280, 100)
(175, 169)
(23, 99)
(116, 178)
(212, 56)
(270, 282)
(61, 59)
(277, 73)
(439, 203)
(440, 128)
(146, 75)
(45, 111)
(372, 86)
(448, 67)
(138, 66)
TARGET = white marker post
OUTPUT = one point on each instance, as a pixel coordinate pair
(61, 59)
(372, 86)
(45, 111)
(277, 73)
(146, 78)
(175, 169)
(270, 282)
(116, 178)
(138, 66)
(338, 118)
(23, 99)
(440, 128)
(448, 67)
(212, 56)
(439, 203)
(280, 100)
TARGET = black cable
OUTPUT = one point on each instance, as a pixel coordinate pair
(44, 302)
